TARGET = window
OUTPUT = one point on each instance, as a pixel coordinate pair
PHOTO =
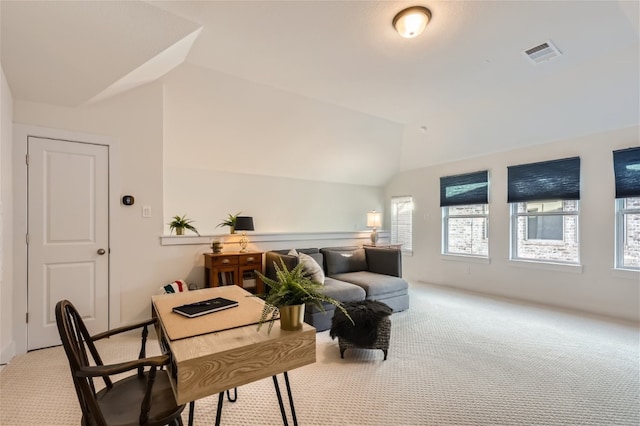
(545, 209)
(546, 230)
(401, 222)
(628, 233)
(465, 214)
(626, 165)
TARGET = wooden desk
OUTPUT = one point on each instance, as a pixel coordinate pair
(211, 363)
(234, 268)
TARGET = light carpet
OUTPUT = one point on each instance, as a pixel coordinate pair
(455, 358)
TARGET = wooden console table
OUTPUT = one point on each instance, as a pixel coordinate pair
(234, 268)
(216, 361)
(384, 245)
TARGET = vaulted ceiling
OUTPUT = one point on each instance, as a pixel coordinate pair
(463, 88)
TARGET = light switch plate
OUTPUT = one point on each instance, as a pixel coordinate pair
(146, 211)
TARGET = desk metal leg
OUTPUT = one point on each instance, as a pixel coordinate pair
(235, 395)
(219, 412)
(219, 409)
(293, 409)
(192, 406)
(279, 395)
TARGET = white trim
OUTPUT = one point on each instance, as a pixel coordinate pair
(20, 134)
(465, 258)
(629, 274)
(8, 352)
(175, 240)
(549, 266)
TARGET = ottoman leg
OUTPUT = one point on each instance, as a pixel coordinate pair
(342, 352)
(385, 354)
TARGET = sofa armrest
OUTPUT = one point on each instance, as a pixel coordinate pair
(387, 261)
(272, 256)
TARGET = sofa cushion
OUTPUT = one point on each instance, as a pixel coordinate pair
(339, 290)
(342, 261)
(310, 266)
(372, 283)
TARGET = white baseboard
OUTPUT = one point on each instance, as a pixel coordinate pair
(8, 352)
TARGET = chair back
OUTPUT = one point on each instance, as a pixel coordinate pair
(81, 352)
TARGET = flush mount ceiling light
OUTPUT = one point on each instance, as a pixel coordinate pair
(412, 21)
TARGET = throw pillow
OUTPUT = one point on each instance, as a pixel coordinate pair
(339, 262)
(177, 286)
(311, 268)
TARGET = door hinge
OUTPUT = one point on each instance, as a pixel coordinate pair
(27, 238)
(26, 159)
(26, 319)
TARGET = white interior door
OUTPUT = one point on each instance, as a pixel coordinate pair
(68, 235)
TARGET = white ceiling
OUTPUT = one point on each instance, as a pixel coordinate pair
(465, 79)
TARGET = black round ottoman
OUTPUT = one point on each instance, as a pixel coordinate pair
(372, 328)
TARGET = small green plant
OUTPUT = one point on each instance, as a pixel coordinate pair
(180, 224)
(230, 221)
(292, 288)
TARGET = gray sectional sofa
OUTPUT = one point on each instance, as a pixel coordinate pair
(351, 274)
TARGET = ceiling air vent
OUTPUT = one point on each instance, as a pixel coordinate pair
(543, 52)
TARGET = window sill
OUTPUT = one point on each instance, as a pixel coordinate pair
(549, 266)
(630, 274)
(465, 258)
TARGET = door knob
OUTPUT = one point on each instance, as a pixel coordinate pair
(101, 252)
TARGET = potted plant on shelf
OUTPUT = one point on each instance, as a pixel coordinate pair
(180, 224)
(216, 245)
(287, 296)
(230, 221)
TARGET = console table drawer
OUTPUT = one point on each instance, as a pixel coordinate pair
(250, 259)
(225, 260)
(234, 268)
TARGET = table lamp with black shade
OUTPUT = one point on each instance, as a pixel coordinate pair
(244, 223)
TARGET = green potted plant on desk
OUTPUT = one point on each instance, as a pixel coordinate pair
(180, 224)
(287, 296)
(230, 221)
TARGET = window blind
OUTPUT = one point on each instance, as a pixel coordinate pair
(401, 221)
(469, 188)
(547, 180)
(626, 166)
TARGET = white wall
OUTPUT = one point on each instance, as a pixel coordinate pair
(214, 121)
(598, 288)
(231, 146)
(276, 204)
(7, 349)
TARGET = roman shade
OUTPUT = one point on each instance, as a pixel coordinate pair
(547, 180)
(470, 188)
(626, 166)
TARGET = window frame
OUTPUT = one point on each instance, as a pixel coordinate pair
(626, 169)
(445, 228)
(395, 201)
(515, 215)
(621, 231)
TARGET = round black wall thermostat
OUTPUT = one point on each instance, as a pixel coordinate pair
(128, 200)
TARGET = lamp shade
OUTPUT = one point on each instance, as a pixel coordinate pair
(374, 219)
(244, 223)
(412, 21)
